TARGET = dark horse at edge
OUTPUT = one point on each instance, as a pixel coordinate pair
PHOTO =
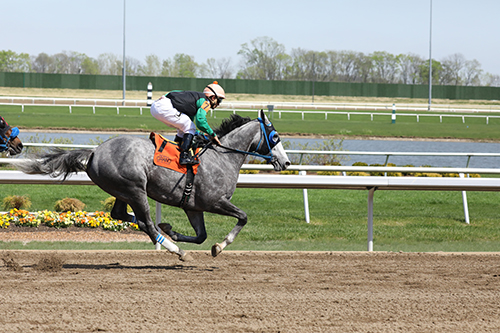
(123, 167)
(9, 140)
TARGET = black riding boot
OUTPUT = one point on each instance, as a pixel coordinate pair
(186, 157)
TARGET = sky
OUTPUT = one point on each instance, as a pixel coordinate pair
(217, 29)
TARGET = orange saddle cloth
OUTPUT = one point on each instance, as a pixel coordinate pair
(167, 154)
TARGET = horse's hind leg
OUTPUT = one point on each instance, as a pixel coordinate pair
(140, 206)
(119, 212)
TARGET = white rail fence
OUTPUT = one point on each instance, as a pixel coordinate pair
(326, 109)
(257, 105)
(389, 154)
(213, 113)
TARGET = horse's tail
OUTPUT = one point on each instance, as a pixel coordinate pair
(58, 162)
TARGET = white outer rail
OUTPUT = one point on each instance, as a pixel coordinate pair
(263, 104)
(326, 112)
(306, 182)
(366, 113)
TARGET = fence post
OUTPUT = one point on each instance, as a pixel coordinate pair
(466, 205)
(150, 94)
(371, 191)
(270, 110)
(306, 199)
(393, 117)
(158, 221)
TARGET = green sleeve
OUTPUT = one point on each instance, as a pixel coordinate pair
(201, 122)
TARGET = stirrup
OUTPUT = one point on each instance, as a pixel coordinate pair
(187, 159)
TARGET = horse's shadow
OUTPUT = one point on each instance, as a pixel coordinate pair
(148, 267)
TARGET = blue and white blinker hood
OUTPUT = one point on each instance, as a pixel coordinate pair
(271, 138)
(4, 139)
(15, 133)
(270, 133)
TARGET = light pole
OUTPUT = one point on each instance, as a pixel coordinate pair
(314, 79)
(124, 75)
(430, 59)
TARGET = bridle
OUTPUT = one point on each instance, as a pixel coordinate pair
(271, 139)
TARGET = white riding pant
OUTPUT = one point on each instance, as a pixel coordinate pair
(163, 110)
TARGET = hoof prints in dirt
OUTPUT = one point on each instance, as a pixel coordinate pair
(49, 264)
(12, 265)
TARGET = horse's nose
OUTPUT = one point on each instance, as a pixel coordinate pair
(287, 164)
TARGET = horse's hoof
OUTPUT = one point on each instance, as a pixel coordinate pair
(186, 257)
(165, 227)
(216, 249)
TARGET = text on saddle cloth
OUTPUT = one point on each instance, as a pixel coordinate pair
(167, 154)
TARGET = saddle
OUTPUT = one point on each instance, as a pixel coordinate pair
(167, 154)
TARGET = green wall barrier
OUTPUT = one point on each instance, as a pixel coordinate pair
(165, 84)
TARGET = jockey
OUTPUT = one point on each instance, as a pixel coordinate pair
(179, 109)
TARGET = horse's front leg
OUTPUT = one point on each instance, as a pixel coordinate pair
(225, 207)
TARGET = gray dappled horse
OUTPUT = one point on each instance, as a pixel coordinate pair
(9, 140)
(123, 167)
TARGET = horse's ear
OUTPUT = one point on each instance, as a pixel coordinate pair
(262, 116)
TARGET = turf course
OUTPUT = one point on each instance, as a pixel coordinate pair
(104, 118)
(403, 220)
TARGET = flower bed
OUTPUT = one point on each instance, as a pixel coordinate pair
(23, 218)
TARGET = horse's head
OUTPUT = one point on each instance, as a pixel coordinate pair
(270, 144)
(256, 137)
(9, 140)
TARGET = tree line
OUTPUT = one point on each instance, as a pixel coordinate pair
(266, 59)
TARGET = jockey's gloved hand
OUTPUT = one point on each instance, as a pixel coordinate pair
(215, 139)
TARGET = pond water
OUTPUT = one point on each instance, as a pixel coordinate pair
(350, 145)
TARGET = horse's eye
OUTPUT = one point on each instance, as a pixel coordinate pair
(276, 138)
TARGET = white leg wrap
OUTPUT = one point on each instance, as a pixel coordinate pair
(167, 244)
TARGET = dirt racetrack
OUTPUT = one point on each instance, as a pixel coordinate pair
(151, 291)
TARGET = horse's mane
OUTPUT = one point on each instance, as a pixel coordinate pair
(231, 123)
